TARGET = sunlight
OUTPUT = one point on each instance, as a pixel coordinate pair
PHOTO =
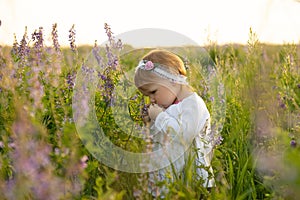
(275, 21)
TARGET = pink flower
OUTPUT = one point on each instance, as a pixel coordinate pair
(149, 65)
(83, 162)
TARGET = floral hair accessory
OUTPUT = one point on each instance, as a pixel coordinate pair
(149, 65)
(162, 71)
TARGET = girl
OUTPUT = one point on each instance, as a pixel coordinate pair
(177, 114)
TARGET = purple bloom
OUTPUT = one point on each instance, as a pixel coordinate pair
(111, 48)
(103, 77)
(282, 105)
(293, 143)
(38, 39)
(96, 54)
(54, 38)
(22, 50)
(219, 140)
(134, 97)
(298, 85)
(72, 35)
(71, 80)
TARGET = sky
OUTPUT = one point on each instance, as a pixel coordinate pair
(220, 21)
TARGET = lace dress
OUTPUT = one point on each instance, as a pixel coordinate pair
(186, 128)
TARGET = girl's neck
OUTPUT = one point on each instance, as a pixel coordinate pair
(184, 92)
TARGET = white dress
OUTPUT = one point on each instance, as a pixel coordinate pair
(189, 120)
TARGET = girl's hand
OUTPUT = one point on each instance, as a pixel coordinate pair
(154, 110)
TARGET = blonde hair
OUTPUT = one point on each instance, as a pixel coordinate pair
(171, 61)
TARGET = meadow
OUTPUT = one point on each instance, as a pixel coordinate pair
(43, 157)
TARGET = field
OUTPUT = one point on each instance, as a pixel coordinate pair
(42, 155)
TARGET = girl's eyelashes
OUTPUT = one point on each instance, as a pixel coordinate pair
(152, 92)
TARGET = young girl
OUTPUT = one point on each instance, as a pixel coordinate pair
(175, 110)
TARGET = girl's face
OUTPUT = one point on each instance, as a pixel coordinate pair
(163, 95)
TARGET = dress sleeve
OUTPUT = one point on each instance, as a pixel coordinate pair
(185, 119)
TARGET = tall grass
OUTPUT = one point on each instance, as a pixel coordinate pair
(42, 157)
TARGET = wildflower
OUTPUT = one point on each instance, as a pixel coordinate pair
(298, 85)
(37, 36)
(70, 80)
(112, 59)
(72, 34)
(293, 143)
(134, 97)
(144, 110)
(23, 49)
(111, 38)
(103, 77)
(15, 47)
(56, 151)
(137, 193)
(280, 101)
(12, 145)
(219, 140)
(282, 105)
(119, 44)
(83, 161)
(109, 33)
(95, 51)
(112, 45)
(54, 38)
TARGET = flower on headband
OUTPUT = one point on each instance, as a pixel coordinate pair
(149, 65)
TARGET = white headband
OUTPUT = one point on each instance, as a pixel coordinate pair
(161, 71)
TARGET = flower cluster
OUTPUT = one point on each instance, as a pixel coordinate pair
(72, 35)
(54, 38)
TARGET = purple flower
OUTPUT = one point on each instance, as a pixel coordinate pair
(298, 85)
(282, 105)
(38, 39)
(55, 38)
(149, 65)
(293, 143)
(134, 97)
(72, 36)
(96, 54)
(71, 80)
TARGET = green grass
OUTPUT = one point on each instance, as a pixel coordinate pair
(258, 158)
